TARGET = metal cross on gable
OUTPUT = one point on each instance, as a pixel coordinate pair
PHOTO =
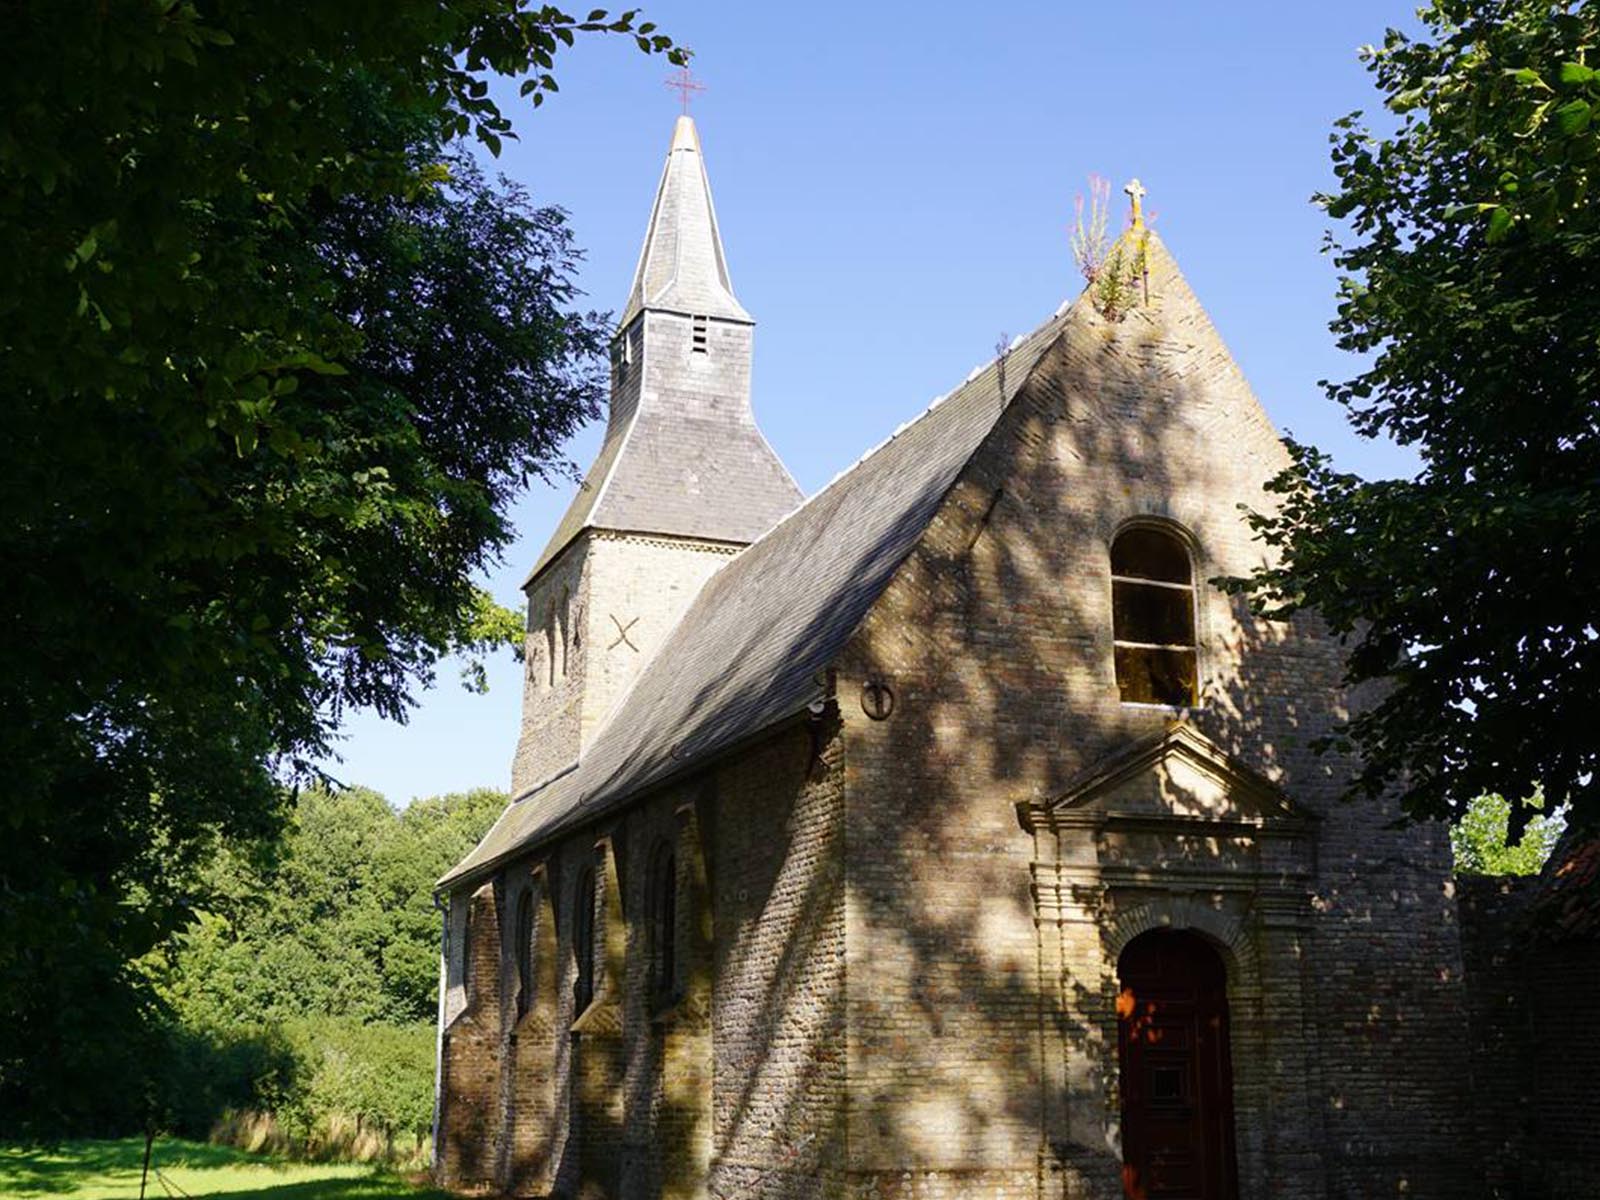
(686, 85)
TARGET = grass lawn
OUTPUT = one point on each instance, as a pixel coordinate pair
(109, 1170)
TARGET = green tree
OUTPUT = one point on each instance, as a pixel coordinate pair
(338, 922)
(274, 360)
(1469, 288)
(309, 988)
(1482, 842)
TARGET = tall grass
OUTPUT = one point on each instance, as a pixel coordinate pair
(321, 1089)
(331, 1137)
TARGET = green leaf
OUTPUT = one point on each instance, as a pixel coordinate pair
(1574, 73)
(1572, 118)
(1499, 223)
(297, 298)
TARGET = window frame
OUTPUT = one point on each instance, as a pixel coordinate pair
(662, 924)
(1185, 543)
(585, 897)
(524, 933)
(468, 975)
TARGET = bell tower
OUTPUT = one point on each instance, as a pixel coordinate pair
(682, 482)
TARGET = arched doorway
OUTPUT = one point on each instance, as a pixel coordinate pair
(1177, 1084)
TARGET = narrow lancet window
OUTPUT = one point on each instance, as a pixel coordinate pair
(524, 954)
(550, 645)
(468, 982)
(664, 925)
(1152, 614)
(566, 629)
(583, 942)
(699, 334)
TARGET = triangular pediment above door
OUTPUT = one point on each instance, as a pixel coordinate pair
(1178, 775)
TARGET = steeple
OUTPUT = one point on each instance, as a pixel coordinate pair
(682, 267)
(683, 479)
(682, 454)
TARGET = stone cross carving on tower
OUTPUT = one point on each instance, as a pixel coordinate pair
(1136, 192)
(686, 85)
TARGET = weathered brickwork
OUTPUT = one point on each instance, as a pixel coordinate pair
(471, 1126)
(778, 999)
(1534, 1004)
(530, 1095)
(982, 1026)
(628, 1098)
(897, 902)
(595, 615)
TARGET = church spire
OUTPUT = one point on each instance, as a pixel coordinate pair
(682, 482)
(682, 455)
(682, 267)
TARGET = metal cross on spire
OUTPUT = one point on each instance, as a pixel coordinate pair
(686, 85)
(1136, 192)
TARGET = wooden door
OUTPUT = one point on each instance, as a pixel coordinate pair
(1177, 1086)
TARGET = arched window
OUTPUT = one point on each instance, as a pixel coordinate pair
(1152, 617)
(524, 953)
(566, 628)
(550, 643)
(664, 924)
(583, 942)
(468, 983)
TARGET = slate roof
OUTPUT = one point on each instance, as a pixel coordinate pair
(694, 475)
(674, 461)
(750, 649)
(682, 266)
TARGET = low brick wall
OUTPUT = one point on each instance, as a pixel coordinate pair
(1534, 1016)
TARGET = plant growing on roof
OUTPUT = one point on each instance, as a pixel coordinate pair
(1113, 269)
(1089, 244)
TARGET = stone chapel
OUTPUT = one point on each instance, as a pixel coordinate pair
(946, 833)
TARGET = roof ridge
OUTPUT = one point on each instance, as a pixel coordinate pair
(905, 427)
(1051, 326)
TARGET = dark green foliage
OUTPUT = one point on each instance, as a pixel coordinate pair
(378, 1075)
(310, 990)
(274, 359)
(340, 924)
(1470, 288)
(201, 1075)
(301, 1083)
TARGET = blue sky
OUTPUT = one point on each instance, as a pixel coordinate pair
(895, 188)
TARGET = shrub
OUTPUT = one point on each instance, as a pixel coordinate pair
(325, 1088)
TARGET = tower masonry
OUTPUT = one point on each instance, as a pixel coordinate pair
(683, 480)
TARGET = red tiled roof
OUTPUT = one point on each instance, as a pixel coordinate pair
(1566, 904)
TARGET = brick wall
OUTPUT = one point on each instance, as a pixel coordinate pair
(639, 585)
(1534, 1008)
(471, 1127)
(609, 599)
(629, 1098)
(778, 1003)
(983, 1055)
(531, 1101)
(555, 670)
